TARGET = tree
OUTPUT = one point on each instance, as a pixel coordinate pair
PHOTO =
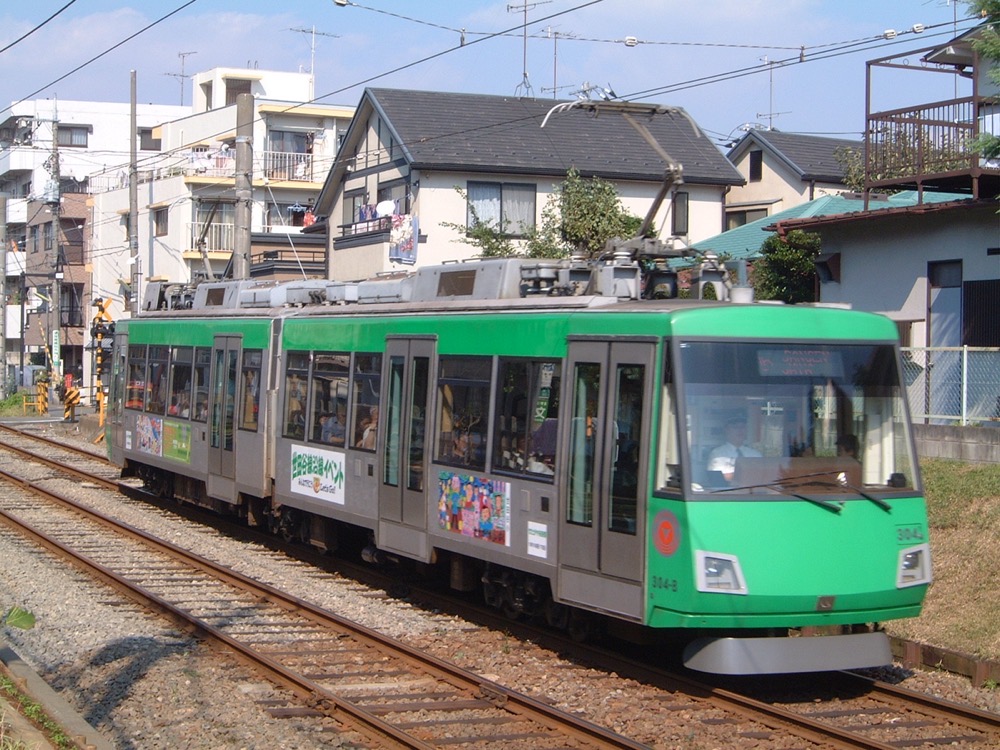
(489, 236)
(785, 270)
(590, 213)
(988, 46)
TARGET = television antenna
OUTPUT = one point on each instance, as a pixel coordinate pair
(181, 77)
(524, 87)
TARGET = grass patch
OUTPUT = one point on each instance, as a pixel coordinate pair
(13, 405)
(34, 713)
(962, 608)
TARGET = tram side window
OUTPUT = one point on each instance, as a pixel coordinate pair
(524, 436)
(202, 369)
(367, 388)
(250, 390)
(180, 382)
(329, 398)
(136, 376)
(156, 394)
(668, 454)
(296, 378)
(464, 394)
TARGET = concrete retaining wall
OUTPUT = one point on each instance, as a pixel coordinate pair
(976, 444)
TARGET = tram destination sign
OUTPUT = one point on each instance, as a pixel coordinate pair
(802, 362)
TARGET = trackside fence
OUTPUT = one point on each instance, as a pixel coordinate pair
(953, 384)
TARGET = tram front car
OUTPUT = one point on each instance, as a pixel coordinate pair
(788, 501)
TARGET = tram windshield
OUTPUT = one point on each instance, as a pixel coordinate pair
(800, 419)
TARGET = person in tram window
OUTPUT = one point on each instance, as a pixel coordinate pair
(723, 458)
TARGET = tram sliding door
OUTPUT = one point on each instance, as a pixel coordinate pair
(403, 485)
(222, 410)
(603, 504)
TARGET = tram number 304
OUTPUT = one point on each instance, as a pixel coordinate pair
(909, 534)
(667, 584)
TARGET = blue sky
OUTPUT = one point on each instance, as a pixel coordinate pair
(730, 63)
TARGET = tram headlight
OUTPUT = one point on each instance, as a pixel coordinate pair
(719, 573)
(914, 567)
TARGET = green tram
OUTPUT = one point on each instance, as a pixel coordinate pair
(722, 474)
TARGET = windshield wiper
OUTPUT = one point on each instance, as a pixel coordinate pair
(779, 486)
(843, 483)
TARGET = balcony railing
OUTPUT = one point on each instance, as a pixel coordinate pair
(218, 238)
(281, 166)
(929, 143)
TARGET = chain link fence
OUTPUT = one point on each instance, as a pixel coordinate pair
(949, 384)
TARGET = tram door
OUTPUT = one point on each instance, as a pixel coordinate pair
(222, 406)
(603, 504)
(403, 485)
(117, 366)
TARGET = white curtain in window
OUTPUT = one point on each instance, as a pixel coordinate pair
(484, 198)
(518, 208)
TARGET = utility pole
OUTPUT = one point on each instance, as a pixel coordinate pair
(3, 295)
(133, 201)
(54, 199)
(244, 185)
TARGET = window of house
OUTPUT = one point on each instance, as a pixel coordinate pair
(756, 166)
(146, 140)
(945, 273)
(508, 207)
(980, 311)
(289, 141)
(679, 215)
(464, 396)
(235, 87)
(736, 219)
(160, 220)
(396, 192)
(352, 207)
(73, 135)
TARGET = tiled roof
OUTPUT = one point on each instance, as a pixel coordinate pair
(475, 132)
(811, 157)
(744, 242)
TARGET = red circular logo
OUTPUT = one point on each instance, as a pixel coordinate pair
(666, 533)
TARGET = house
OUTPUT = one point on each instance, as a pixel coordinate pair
(782, 170)
(187, 193)
(50, 152)
(416, 164)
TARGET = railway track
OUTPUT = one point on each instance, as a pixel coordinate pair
(368, 684)
(334, 671)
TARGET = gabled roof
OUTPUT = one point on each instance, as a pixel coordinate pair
(503, 135)
(744, 242)
(810, 157)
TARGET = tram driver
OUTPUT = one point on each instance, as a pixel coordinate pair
(723, 458)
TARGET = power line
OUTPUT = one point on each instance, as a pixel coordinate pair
(25, 36)
(102, 54)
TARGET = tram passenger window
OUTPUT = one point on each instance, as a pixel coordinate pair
(136, 389)
(628, 414)
(202, 369)
(296, 377)
(464, 394)
(583, 432)
(524, 433)
(156, 392)
(250, 390)
(180, 382)
(367, 387)
(329, 398)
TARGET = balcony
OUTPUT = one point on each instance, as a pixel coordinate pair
(931, 145)
(218, 237)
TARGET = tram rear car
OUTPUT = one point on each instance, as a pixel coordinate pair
(574, 456)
